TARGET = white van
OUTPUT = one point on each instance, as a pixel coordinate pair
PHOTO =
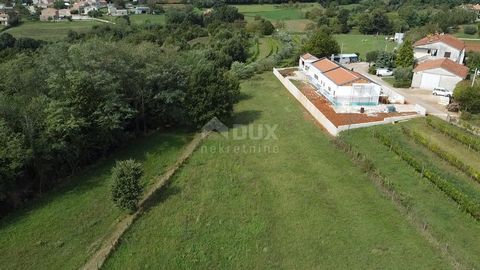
(382, 72)
(439, 91)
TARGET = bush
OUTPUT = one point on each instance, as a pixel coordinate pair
(242, 70)
(470, 30)
(371, 56)
(466, 116)
(372, 70)
(403, 77)
(126, 188)
(468, 97)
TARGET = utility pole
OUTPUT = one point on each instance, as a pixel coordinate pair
(474, 76)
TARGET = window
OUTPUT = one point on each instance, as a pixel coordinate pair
(303, 63)
(447, 54)
(307, 68)
(434, 53)
(316, 76)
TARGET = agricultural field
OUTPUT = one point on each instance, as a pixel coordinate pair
(138, 19)
(353, 43)
(291, 17)
(442, 198)
(50, 31)
(64, 228)
(276, 12)
(289, 201)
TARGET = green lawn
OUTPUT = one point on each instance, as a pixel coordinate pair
(50, 31)
(140, 18)
(276, 12)
(352, 43)
(461, 34)
(294, 202)
(446, 222)
(64, 228)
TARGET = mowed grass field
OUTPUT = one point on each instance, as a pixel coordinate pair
(291, 16)
(352, 43)
(64, 228)
(430, 206)
(50, 31)
(290, 200)
(138, 19)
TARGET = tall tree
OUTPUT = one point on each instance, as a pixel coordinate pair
(321, 44)
(405, 55)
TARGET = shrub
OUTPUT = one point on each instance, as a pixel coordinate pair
(371, 56)
(468, 96)
(372, 70)
(126, 188)
(403, 77)
(242, 70)
(466, 116)
(470, 29)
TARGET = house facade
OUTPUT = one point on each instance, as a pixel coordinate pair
(49, 14)
(4, 19)
(341, 86)
(439, 62)
(442, 73)
(439, 46)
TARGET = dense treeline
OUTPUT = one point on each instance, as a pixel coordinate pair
(64, 105)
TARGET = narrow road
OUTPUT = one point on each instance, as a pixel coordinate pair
(423, 98)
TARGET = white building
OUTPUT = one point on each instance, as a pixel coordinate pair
(439, 61)
(4, 19)
(442, 73)
(439, 46)
(341, 86)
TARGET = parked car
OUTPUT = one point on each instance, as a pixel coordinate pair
(382, 72)
(439, 91)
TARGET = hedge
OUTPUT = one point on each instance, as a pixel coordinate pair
(453, 160)
(431, 173)
(469, 140)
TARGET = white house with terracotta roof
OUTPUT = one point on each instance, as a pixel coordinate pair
(439, 46)
(438, 73)
(341, 86)
(439, 61)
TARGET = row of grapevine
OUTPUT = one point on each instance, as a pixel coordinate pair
(468, 139)
(452, 159)
(431, 173)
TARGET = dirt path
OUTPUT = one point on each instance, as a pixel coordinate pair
(109, 244)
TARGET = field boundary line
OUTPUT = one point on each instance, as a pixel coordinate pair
(110, 243)
(385, 187)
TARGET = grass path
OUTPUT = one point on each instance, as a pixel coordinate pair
(65, 227)
(301, 206)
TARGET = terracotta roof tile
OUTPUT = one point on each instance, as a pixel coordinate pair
(445, 63)
(447, 39)
(325, 65)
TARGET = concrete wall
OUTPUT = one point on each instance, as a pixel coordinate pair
(331, 128)
(323, 120)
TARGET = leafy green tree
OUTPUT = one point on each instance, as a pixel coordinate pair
(126, 187)
(375, 22)
(58, 4)
(468, 97)
(385, 59)
(405, 55)
(473, 60)
(321, 44)
(371, 56)
(6, 41)
(13, 157)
